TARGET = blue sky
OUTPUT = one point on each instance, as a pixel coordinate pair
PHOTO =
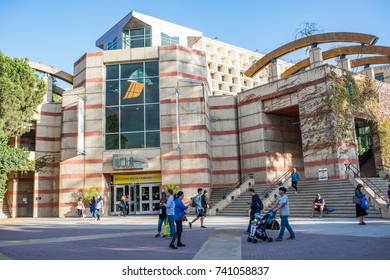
(57, 33)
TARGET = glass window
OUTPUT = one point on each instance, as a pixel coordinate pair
(137, 37)
(112, 72)
(112, 119)
(132, 140)
(152, 90)
(132, 70)
(132, 118)
(152, 117)
(132, 91)
(132, 106)
(152, 139)
(112, 93)
(112, 141)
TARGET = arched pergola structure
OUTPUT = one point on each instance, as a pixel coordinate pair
(308, 41)
(379, 59)
(62, 75)
(350, 50)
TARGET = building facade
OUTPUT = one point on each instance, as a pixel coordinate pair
(161, 104)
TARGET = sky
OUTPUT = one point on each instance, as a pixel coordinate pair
(57, 33)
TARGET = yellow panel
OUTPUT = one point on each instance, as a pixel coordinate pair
(137, 178)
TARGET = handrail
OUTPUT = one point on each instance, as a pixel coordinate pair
(357, 174)
(236, 185)
(277, 183)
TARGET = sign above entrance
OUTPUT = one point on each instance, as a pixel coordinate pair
(129, 162)
(137, 179)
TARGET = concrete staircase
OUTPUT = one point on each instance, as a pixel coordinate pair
(337, 194)
(381, 183)
(4, 211)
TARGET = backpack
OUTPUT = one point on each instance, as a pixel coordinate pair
(193, 201)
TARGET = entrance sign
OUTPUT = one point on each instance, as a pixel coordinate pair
(137, 178)
(129, 162)
(322, 174)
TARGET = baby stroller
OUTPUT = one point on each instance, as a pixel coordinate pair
(258, 227)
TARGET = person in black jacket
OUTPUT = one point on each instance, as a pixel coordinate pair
(255, 206)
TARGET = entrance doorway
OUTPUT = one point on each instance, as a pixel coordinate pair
(143, 198)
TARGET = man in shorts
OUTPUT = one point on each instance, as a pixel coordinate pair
(198, 209)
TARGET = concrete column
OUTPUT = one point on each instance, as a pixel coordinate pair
(345, 64)
(369, 72)
(49, 93)
(386, 75)
(315, 55)
(274, 71)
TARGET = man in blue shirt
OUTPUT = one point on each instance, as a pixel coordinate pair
(198, 209)
(284, 212)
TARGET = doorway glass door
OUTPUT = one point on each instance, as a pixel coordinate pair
(150, 198)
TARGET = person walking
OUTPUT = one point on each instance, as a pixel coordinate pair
(295, 179)
(284, 212)
(123, 204)
(171, 213)
(99, 207)
(198, 209)
(360, 211)
(388, 193)
(256, 206)
(80, 207)
(162, 216)
(205, 203)
(92, 208)
(180, 217)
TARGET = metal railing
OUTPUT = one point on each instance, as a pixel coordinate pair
(357, 174)
(278, 183)
(236, 185)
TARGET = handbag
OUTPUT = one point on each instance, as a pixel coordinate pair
(356, 200)
(167, 229)
(183, 218)
(364, 203)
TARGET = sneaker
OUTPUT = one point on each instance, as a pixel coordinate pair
(202, 226)
(181, 245)
(291, 238)
(296, 192)
(157, 235)
(362, 223)
(321, 216)
(278, 239)
(190, 225)
(172, 246)
(312, 216)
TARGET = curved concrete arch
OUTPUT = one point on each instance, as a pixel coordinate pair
(379, 59)
(337, 52)
(308, 41)
(62, 75)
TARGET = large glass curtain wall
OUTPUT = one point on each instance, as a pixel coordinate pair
(132, 117)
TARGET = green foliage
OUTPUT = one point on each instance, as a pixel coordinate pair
(89, 193)
(174, 188)
(11, 159)
(21, 91)
(348, 98)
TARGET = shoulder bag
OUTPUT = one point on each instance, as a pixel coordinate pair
(356, 200)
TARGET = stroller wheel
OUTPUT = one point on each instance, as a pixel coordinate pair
(270, 239)
(254, 241)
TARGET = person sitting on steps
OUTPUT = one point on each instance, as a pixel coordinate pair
(319, 205)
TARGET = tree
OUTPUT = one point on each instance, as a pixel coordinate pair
(21, 91)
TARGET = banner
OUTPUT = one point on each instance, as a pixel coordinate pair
(137, 178)
(80, 126)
